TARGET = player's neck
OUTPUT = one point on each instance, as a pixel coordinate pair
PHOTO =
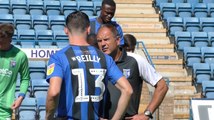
(78, 40)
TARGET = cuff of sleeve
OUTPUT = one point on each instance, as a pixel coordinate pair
(21, 94)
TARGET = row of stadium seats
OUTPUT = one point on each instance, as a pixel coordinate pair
(37, 88)
(203, 75)
(52, 7)
(193, 39)
(41, 22)
(40, 38)
(198, 55)
(193, 2)
(186, 10)
(175, 24)
(31, 109)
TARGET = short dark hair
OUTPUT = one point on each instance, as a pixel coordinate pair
(109, 2)
(112, 28)
(6, 30)
(77, 21)
(129, 40)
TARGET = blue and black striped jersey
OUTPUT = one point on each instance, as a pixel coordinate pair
(85, 72)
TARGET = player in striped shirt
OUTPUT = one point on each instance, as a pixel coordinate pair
(78, 76)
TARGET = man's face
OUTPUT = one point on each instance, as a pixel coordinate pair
(107, 42)
(107, 13)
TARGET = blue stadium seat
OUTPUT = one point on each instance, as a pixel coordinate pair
(208, 1)
(60, 36)
(193, 2)
(167, 10)
(27, 110)
(4, 6)
(158, 2)
(45, 38)
(192, 55)
(208, 89)
(22, 21)
(41, 107)
(39, 22)
(200, 39)
(174, 24)
(183, 39)
(211, 38)
(210, 7)
(178, 1)
(35, 7)
(6, 18)
(56, 22)
(97, 7)
(39, 87)
(28, 35)
(26, 38)
(200, 10)
(207, 24)
(86, 7)
(37, 69)
(207, 54)
(184, 9)
(68, 7)
(212, 70)
(52, 7)
(37, 65)
(192, 24)
(201, 72)
(19, 6)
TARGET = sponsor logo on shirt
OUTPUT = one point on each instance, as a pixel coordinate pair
(50, 69)
(126, 72)
(86, 58)
(12, 63)
(6, 72)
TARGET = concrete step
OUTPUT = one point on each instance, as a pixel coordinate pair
(137, 24)
(131, 5)
(133, 1)
(164, 40)
(184, 90)
(146, 10)
(171, 72)
(163, 55)
(180, 81)
(167, 62)
(137, 17)
(144, 30)
(159, 47)
(182, 116)
(181, 112)
(148, 33)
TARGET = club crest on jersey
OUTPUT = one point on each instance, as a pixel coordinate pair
(50, 69)
(12, 63)
(126, 72)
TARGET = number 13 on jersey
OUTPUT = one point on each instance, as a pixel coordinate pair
(82, 97)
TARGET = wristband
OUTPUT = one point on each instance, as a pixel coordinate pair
(21, 94)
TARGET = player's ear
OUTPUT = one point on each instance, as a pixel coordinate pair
(88, 30)
(66, 30)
